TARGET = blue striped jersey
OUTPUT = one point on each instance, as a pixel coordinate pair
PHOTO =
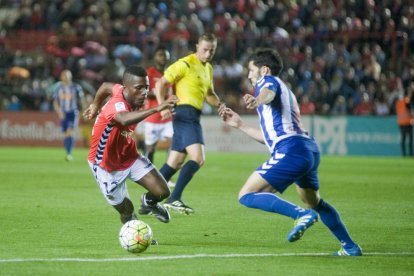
(280, 118)
(68, 96)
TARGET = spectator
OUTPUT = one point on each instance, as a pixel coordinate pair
(365, 107)
(306, 106)
(14, 104)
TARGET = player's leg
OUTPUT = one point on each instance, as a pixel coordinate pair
(113, 188)
(66, 125)
(257, 193)
(196, 159)
(177, 153)
(68, 143)
(280, 171)
(156, 185)
(308, 190)
(402, 142)
(73, 121)
(145, 174)
(331, 218)
(410, 140)
(125, 210)
(166, 134)
(157, 191)
(174, 162)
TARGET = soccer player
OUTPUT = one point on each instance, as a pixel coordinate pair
(193, 80)
(294, 154)
(156, 128)
(68, 100)
(113, 157)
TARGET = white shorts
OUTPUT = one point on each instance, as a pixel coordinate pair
(140, 129)
(157, 132)
(113, 184)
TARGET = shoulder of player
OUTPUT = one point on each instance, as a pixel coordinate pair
(116, 104)
(151, 70)
(271, 83)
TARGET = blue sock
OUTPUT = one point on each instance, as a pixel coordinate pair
(68, 143)
(330, 217)
(187, 172)
(167, 172)
(271, 203)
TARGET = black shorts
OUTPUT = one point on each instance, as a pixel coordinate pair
(187, 128)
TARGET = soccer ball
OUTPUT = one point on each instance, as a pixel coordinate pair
(135, 236)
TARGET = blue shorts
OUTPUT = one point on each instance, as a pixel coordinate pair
(69, 121)
(297, 166)
(187, 128)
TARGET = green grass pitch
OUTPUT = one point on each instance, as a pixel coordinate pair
(54, 221)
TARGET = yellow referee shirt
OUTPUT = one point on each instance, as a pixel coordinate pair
(192, 80)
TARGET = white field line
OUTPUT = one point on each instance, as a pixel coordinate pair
(195, 256)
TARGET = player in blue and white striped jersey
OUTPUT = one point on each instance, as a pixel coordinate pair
(68, 101)
(294, 157)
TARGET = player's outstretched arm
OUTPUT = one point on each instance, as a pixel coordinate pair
(160, 90)
(104, 91)
(134, 117)
(233, 119)
(213, 99)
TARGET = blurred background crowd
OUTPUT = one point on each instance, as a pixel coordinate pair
(342, 57)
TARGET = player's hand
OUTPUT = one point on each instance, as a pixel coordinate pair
(167, 108)
(166, 114)
(60, 115)
(250, 101)
(91, 112)
(221, 105)
(229, 116)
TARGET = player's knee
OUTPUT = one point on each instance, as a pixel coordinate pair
(311, 201)
(199, 161)
(244, 193)
(164, 193)
(246, 199)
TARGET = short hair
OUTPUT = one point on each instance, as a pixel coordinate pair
(133, 70)
(210, 37)
(161, 48)
(268, 57)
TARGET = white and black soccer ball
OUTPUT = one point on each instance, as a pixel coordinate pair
(135, 236)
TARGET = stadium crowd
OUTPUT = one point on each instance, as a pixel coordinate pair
(342, 57)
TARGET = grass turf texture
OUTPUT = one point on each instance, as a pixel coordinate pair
(54, 220)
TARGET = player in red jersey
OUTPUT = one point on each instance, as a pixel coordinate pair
(156, 128)
(113, 157)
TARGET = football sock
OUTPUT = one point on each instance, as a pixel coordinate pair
(167, 172)
(330, 217)
(68, 143)
(271, 203)
(187, 172)
(150, 199)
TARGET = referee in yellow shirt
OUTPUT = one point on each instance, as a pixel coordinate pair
(193, 79)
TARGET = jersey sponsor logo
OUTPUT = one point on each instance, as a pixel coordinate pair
(126, 134)
(120, 106)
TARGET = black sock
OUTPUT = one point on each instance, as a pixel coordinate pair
(167, 172)
(187, 172)
(150, 199)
